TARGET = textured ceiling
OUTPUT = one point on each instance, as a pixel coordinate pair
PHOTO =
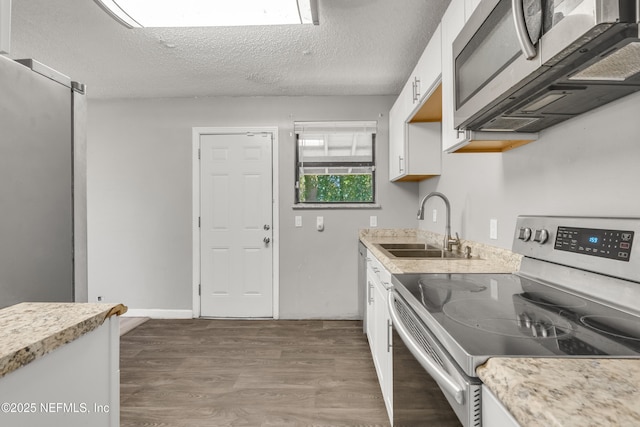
(361, 47)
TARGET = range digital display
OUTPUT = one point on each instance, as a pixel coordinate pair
(614, 244)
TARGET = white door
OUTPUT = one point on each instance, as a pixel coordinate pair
(236, 229)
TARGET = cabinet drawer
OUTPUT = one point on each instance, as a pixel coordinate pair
(377, 270)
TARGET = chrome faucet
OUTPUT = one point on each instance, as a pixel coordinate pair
(448, 240)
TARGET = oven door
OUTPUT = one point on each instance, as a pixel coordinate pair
(462, 392)
(507, 44)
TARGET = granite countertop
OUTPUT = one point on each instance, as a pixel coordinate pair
(546, 392)
(485, 259)
(28, 330)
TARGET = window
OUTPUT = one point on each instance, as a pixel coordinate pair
(335, 162)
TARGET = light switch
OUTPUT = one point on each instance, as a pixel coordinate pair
(298, 221)
(320, 223)
(373, 221)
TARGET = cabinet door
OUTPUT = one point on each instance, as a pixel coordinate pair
(383, 348)
(429, 67)
(370, 310)
(396, 140)
(397, 133)
(452, 22)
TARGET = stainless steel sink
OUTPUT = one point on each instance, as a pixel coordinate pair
(417, 251)
(390, 246)
(425, 253)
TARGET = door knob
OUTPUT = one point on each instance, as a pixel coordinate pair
(267, 227)
(266, 240)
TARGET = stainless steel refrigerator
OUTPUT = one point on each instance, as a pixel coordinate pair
(43, 249)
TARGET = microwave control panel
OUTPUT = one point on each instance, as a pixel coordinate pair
(613, 244)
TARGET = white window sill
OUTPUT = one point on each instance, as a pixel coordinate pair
(309, 206)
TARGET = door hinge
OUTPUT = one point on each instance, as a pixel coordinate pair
(199, 290)
(199, 222)
(198, 153)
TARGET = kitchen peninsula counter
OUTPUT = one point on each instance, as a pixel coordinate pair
(548, 392)
(59, 364)
(485, 259)
(28, 331)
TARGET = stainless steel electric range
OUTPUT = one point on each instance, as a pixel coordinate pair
(577, 294)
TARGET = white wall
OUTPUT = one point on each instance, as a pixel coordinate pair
(589, 166)
(139, 201)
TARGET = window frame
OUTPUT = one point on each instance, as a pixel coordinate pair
(324, 204)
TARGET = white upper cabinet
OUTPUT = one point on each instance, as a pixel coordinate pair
(414, 128)
(398, 116)
(452, 22)
(426, 75)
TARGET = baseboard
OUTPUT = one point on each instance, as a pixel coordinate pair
(159, 314)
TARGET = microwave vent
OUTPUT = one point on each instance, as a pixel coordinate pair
(618, 66)
(508, 123)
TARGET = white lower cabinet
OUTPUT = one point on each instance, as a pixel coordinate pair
(76, 385)
(379, 328)
(494, 412)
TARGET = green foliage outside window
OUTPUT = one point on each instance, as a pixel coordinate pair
(336, 188)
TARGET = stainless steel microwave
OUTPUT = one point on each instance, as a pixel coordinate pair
(526, 65)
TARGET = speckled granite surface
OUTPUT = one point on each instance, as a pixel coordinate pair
(545, 392)
(485, 259)
(28, 331)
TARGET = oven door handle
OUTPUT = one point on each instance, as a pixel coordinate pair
(437, 372)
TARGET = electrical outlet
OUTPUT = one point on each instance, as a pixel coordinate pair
(99, 298)
(435, 215)
(373, 221)
(493, 229)
(298, 220)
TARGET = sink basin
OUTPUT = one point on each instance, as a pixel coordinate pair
(422, 246)
(425, 253)
(417, 251)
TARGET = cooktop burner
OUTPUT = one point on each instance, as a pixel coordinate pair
(554, 299)
(473, 313)
(624, 328)
(448, 284)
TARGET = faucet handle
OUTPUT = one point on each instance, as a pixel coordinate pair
(455, 242)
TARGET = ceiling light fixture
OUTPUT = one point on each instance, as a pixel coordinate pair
(210, 13)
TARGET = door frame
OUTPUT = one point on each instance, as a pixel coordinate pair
(275, 211)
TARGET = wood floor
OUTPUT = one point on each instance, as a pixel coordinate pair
(196, 373)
